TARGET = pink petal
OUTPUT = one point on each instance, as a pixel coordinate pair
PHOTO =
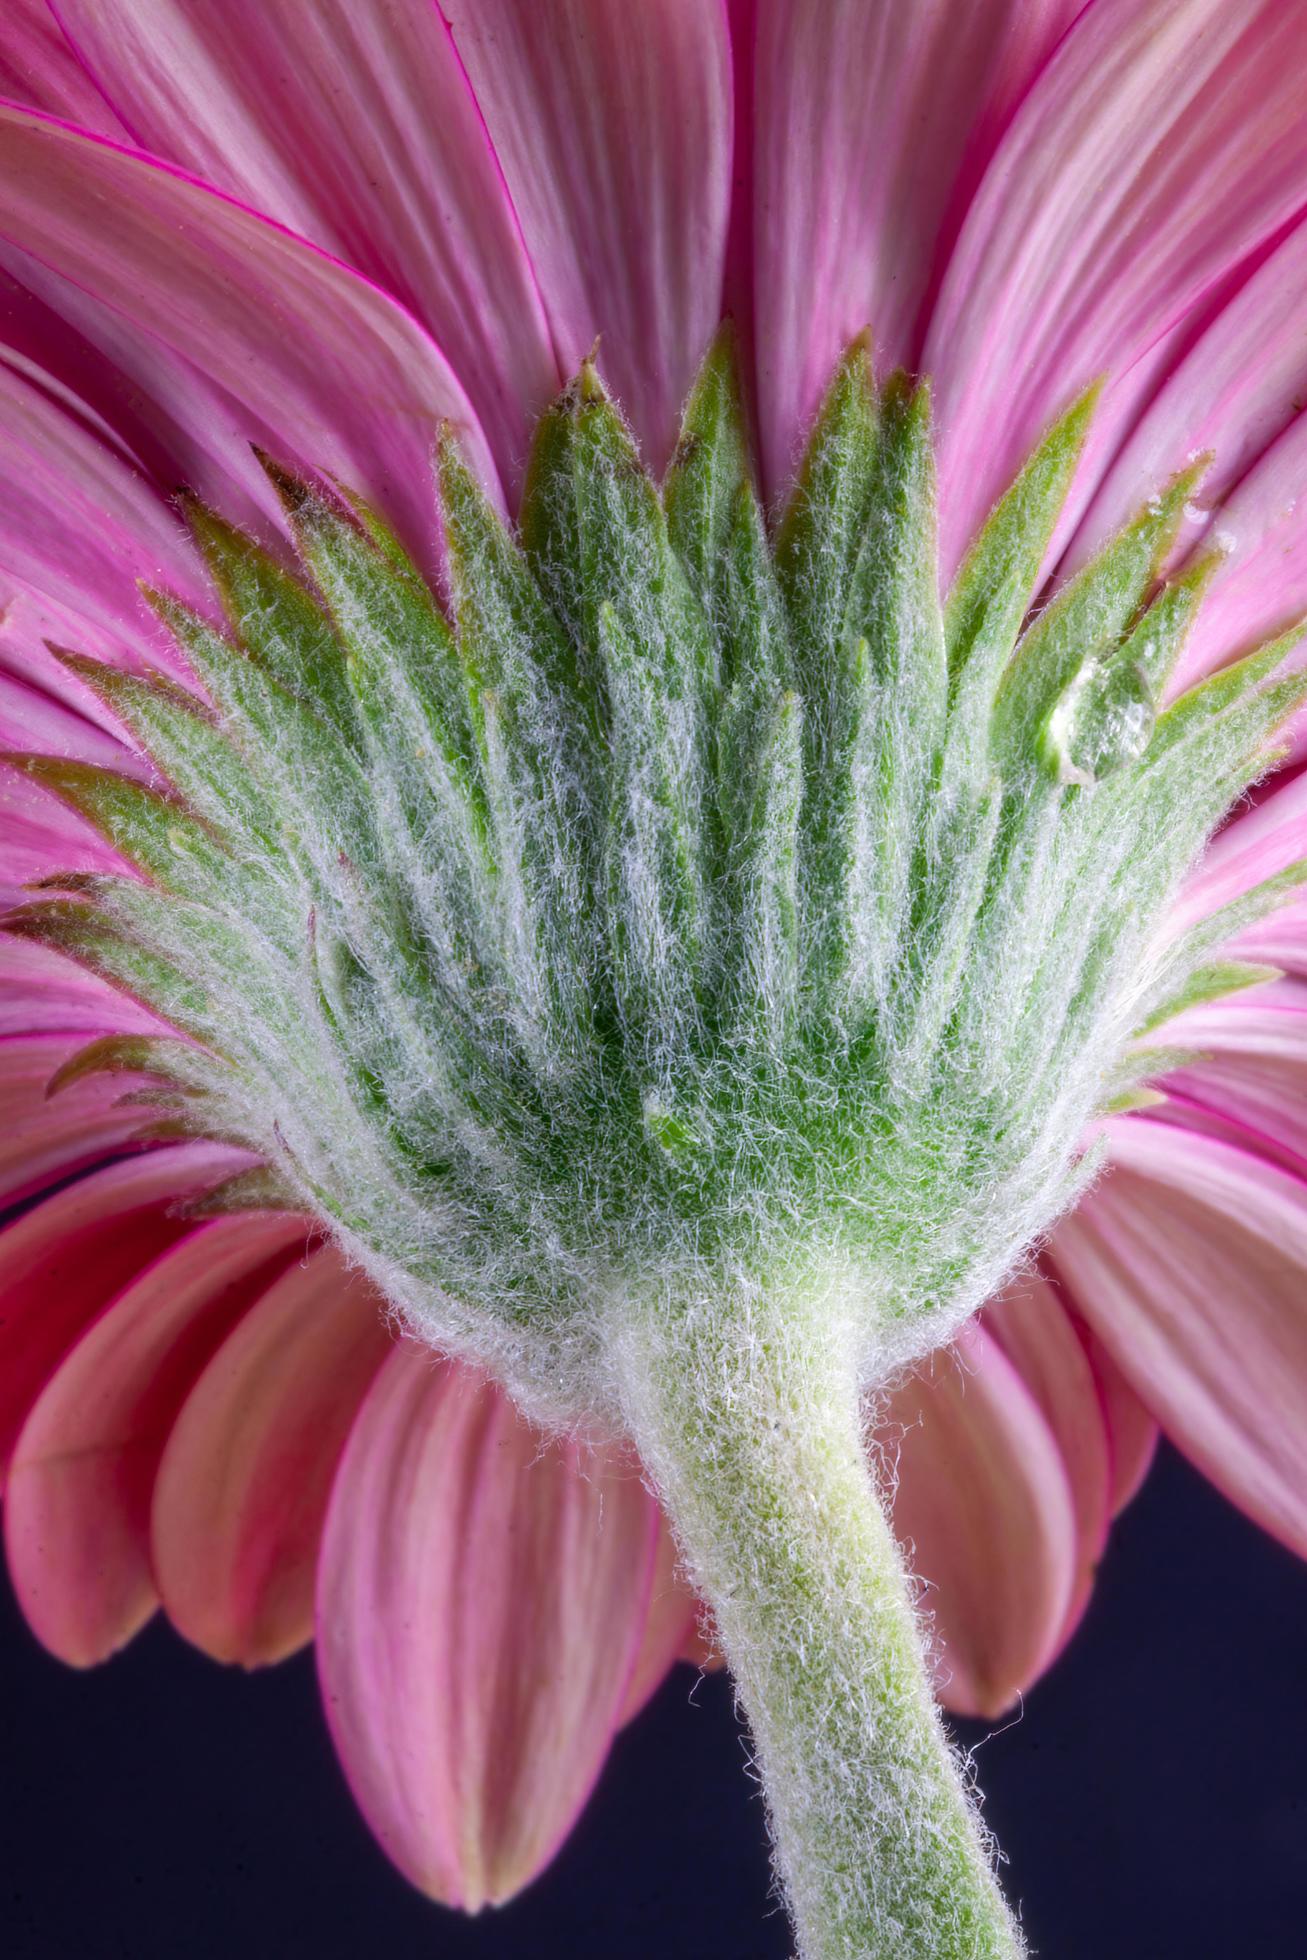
(69, 1256)
(352, 123)
(33, 722)
(77, 1501)
(613, 126)
(1163, 143)
(1232, 394)
(1258, 844)
(80, 527)
(1190, 1262)
(242, 1489)
(1280, 940)
(1252, 1071)
(42, 992)
(345, 376)
(45, 1139)
(481, 1604)
(673, 1614)
(38, 67)
(985, 1512)
(161, 411)
(870, 126)
(1260, 589)
(1036, 1334)
(1131, 1429)
(40, 836)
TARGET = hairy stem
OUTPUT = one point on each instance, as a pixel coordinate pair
(750, 1419)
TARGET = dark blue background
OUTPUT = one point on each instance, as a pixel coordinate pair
(1150, 1799)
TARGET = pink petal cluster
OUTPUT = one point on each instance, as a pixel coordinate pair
(325, 229)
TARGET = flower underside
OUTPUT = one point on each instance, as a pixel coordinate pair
(698, 901)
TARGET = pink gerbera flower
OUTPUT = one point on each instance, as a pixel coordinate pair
(327, 235)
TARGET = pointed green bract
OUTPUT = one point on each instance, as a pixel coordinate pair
(998, 579)
(276, 617)
(1080, 635)
(709, 472)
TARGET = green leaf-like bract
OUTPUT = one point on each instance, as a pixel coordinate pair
(688, 902)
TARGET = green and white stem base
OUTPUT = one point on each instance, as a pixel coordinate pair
(751, 1417)
(690, 898)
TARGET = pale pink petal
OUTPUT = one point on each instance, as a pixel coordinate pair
(69, 1256)
(673, 1613)
(1190, 1261)
(869, 126)
(45, 1139)
(41, 992)
(1280, 940)
(1034, 1330)
(351, 122)
(40, 836)
(1257, 845)
(345, 376)
(33, 722)
(613, 126)
(165, 416)
(77, 1499)
(1132, 1431)
(1252, 1071)
(1260, 587)
(242, 1488)
(1231, 395)
(80, 527)
(482, 1600)
(985, 1512)
(1165, 140)
(38, 67)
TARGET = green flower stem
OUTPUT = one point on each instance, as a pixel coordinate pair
(750, 1418)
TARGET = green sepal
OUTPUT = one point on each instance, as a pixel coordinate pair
(508, 640)
(271, 722)
(1134, 1099)
(547, 527)
(82, 932)
(277, 619)
(763, 866)
(1132, 1083)
(753, 628)
(1155, 645)
(709, 471)
(188, 746)
(994, 588)
(627, 561)
(895, 603)
(1108, 714)
(931, 977)
(1215, 981)
(654, 867)
(821, 532)
(122, 1054)
(400, 671)
(1081, 629)
(155, 831)
(261, 1188)
(1228, 921)
(1229, 689)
